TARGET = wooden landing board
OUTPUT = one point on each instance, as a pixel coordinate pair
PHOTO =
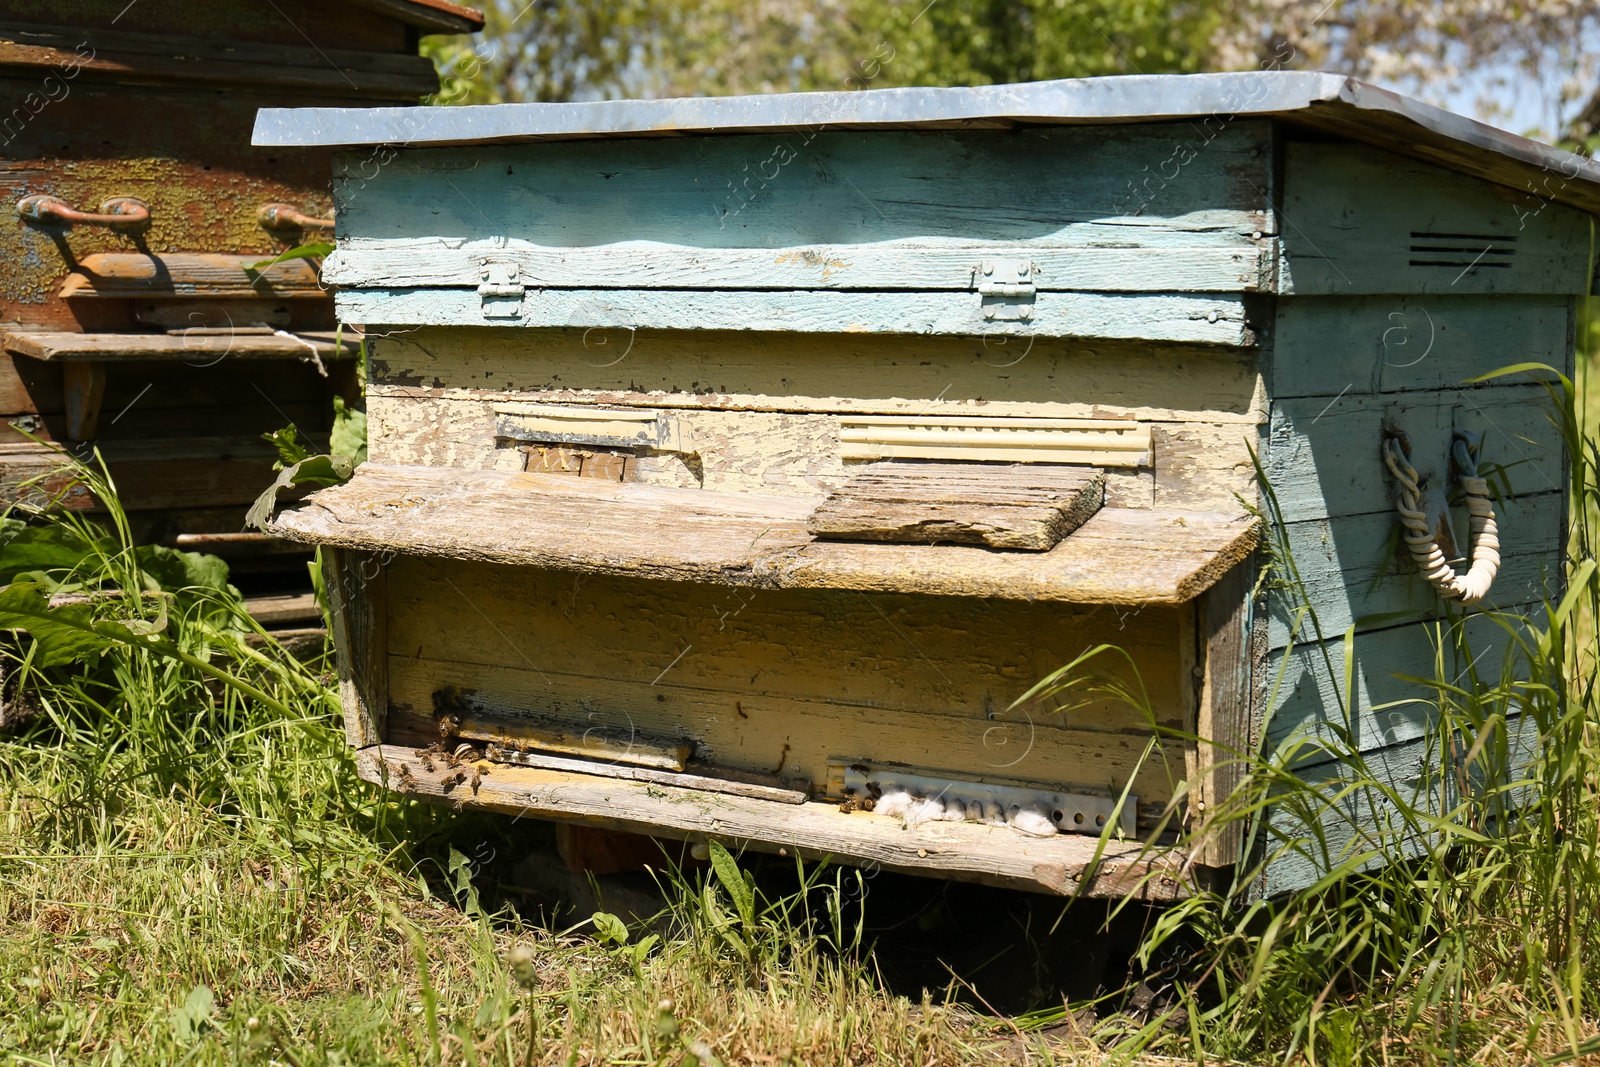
(1063, 865)
(202, 350)
(1120, 556)
(1003, 506)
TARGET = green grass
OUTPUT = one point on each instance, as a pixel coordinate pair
(190, 872)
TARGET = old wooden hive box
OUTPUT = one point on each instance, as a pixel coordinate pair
(737, 462)
(138, 314)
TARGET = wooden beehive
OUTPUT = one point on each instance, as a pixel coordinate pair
(731, 455)
(157, 341)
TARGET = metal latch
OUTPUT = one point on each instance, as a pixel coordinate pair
(1006, 288)
(501, 290)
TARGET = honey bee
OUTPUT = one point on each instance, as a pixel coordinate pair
(426, 761)
(406, 781)
(477, 779)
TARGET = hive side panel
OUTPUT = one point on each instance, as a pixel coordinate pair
(783, 681)
(1361, 220)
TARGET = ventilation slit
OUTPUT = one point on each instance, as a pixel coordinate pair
(1461, 251)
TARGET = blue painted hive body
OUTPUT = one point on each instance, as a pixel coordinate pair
(738, 464)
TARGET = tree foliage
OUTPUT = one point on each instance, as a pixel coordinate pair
(1535, 56)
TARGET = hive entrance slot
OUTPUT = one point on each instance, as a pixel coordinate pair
(1463, 251)
(462, 715)
(1002, 506)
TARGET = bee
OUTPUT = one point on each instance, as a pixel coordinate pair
(448, 726)
(406, 780)
(426, 760)
(477, 779)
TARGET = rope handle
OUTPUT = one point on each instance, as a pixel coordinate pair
(1473, 586)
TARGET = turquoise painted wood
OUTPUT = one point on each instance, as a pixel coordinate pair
(1358, 220)
(1036, 188)
(1177, 317)
(1388, 705)
(1324, 346)
(1355, 573)
(1323, 453)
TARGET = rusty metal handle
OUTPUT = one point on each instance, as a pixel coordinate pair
(283, 217)
(117, 213)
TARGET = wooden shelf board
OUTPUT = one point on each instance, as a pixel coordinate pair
(1119, 556)
(990, 855)
(64, 346)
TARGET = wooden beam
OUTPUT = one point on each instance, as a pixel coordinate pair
(85, 387)
(357, 594)
(1063, 865)
(1218, 760)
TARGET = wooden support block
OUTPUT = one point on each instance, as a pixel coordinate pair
(1218, 758)
(1028, 507)
(85, 385)
(356, 583)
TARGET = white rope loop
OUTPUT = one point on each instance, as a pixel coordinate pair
(1473, 586)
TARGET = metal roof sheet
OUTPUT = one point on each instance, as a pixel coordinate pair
(1330, 103)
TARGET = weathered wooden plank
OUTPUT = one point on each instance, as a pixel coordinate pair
(1070, 262)
(1360, 220)
(127, 275)
(1323, 457)
(1002, 506)
(990, 855)
(1120, 556)
(477, 722)
(1355, 571)
(883, 374)
(1180, 317)
(1311, 702)
(816, 187)
(198, 350)
(1391, 344)
(84, 385)
(40, 475)
(356, 584)
(1225, 713)
(708, 782)
(1354, 821)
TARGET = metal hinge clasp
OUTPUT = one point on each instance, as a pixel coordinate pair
(1006, 288)
(501, 290)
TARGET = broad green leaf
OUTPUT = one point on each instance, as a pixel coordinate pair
(314, 471)
(609, 929)
(349, 436)
(732, 879)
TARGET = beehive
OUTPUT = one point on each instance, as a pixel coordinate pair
(150, 329)
(729, 455)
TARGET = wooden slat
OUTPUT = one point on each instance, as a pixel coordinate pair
(120, 275)
(1023, 507)
(1219, 319)
(421, 262)
(277, 610)
(1120, 556)
(201, 350)
(356, 583)
(710, 782)
(989, 855)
